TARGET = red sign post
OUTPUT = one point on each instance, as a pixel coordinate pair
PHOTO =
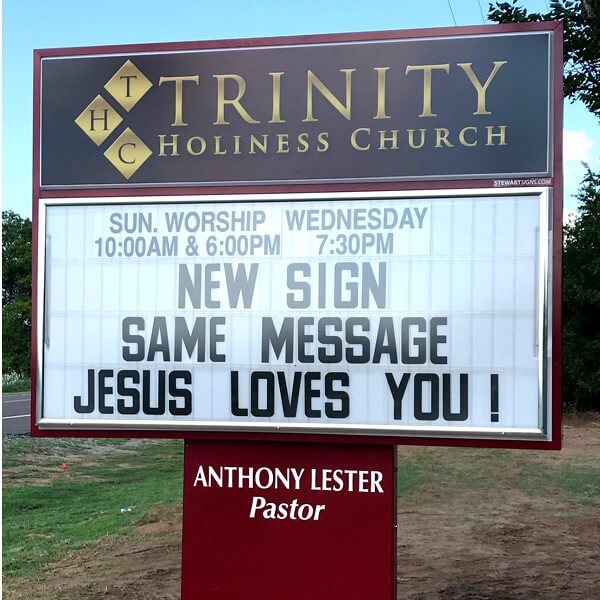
(270, 520)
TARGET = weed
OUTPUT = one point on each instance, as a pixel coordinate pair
(13, 382)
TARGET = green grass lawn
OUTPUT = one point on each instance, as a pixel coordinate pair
(454, 470)
(49, 512)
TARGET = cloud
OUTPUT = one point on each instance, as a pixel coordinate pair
(569, 216)
(577, 146)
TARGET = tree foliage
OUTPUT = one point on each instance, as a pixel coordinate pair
(581, 300)
(16, 292)
(16, 257)
(581, 22)
(16, 337)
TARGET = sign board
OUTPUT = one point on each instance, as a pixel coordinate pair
(188, 285)
(274, 513)
(460, 107)
(379, 313)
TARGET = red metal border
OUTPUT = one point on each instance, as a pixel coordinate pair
(328, 38)
(557, 238)
(297, 437)
(37, 63)
(275, 188)
(557, 208)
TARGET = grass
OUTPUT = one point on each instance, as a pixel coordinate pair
(451, 471)
(583, 483)
(12, 382)
(575, 481)
(49, 512)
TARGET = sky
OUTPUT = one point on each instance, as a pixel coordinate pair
(31, 24)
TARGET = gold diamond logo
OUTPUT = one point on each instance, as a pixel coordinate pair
(98, 120)
(128, 153)
(128, 85)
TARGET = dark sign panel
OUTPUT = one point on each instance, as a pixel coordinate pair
(468, 107)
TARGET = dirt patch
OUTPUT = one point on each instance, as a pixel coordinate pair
(145, 566)
(160, 521)
(500, 542)
(464, 540)
(582, 435)
(517, 547)
(18, 476)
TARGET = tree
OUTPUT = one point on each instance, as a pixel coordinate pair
(16, 337)
(581, 300)
(581, 265)
(16, 257)
(581, 50)
(16, 292)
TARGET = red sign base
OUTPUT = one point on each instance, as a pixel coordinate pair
(272, 520)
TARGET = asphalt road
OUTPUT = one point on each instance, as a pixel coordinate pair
(15, 413)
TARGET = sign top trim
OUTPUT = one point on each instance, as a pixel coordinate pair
(318, 38)
(126, 49)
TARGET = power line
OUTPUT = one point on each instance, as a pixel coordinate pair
(481, 12)
(451, 12)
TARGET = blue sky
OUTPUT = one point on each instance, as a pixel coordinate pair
(30, 24)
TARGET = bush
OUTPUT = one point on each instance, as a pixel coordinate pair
(581, 301)
(16, 337)
(13, 382)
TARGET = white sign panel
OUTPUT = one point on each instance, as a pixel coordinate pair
(380, 313)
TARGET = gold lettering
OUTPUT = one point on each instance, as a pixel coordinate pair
(491, 135)
(179, 80)
(218, 150)
(236, 144)
(190, 145)
(283, 143)
(172, 144)
(354, 141)
(314, 82)
(323, 139)
(411, 138)
(235, 102)
(427, 70)
(381, 71)
(303, 144)
(393, 139)
(256, 143)
(481, 89)
(276, 118)
(441, 135)
(463, 140)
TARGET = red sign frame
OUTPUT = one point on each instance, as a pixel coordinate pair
(555, 183)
